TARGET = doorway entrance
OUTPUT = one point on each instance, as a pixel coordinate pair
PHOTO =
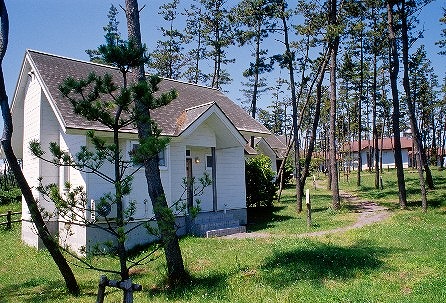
(189, 184)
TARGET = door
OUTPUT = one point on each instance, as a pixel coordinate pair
(189, 184)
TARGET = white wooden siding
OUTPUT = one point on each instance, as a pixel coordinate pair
(177, 171)
(231, 178)
(73, 143)
(202, 136)
(49, 132)
(31, 131)
(39, 124)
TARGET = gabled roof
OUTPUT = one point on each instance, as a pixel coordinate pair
(191, 102)
(278, 145)
(274, 142)
(385, 144)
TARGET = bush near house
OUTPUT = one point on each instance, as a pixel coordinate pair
(260, 186)
(288, 173)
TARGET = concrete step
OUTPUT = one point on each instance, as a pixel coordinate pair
(205, 218)
(216, 225)
(220, 222)
(225, 231)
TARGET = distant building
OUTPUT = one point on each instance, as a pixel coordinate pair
(350, 151)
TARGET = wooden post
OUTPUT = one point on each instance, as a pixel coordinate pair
(126, 286)
(103, 281)
(8, 219)
(314, 182)
(381, 182)
(308, 202)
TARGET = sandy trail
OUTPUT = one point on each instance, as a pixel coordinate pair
(369, 213)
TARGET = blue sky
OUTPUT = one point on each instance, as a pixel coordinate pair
(67, 28)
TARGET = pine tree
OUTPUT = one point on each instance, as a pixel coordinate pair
(194, 37)
(146, 133)
(218, 36)
(253, 21)
(112, 35)
(168, 59)
(333, 45)
(393, 71)
(442, 43)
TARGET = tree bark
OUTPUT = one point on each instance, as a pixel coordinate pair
(289, 59)
(361, 96)
(374, 127)
(317, 113)
(413, 122)
(256, 74)
(333, 46)
(394, 66)
(43, 232)
(166, 223)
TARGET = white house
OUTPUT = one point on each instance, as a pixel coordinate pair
(386, 151)
(206, 129)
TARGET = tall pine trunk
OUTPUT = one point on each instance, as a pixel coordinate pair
(51, 245)
(166, 223)
(361, 97)
(394, 66)
(289, 60)
(333, 46)
(374, 127)
(411, 108)
(256, 80)
(317, 113)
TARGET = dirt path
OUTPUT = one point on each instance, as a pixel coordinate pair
(369, 213)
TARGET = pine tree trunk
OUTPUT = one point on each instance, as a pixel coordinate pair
(410, 106)
(166, 223)
(333, 46)
(374, 128)
(256, 77)
(317, 113)
(122, 251)
(47, 239)
(394, 66)
(361, 97)
(288, 58)
(415, 131)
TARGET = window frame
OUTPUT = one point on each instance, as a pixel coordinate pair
(206, 156)
(132, 144)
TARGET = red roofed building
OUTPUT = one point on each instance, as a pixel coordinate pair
(386, 148)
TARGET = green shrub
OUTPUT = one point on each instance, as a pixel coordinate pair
(10, 196)
(287, 172)
(260, 188)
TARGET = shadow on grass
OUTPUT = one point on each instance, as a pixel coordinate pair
(322, 262)
(213, 285)
(34, 290)
(263, 217)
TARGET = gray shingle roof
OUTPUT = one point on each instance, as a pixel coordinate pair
(192, 99)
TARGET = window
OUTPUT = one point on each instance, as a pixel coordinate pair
(162, 158)
(161, 155)
(66, 174)
(65, 171)
(187, 152)
(209, 162)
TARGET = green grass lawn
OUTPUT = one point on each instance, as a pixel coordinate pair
(402, 259)
(12, 207)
